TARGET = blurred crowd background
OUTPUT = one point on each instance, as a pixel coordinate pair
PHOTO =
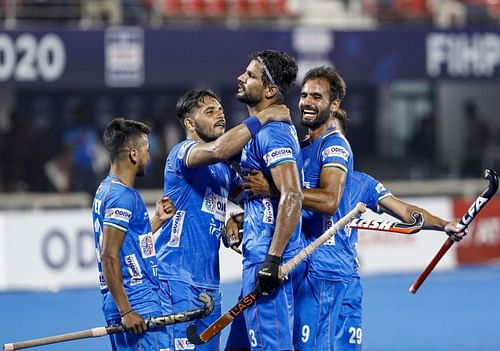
(400, 129)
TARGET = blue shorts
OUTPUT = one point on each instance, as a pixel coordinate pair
(269, 321)
(238, 337)
(156, 340)
(177, 296)
(317, 308)
(350, 334)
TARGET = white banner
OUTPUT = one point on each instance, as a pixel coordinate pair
(382, 252)
(49, 250)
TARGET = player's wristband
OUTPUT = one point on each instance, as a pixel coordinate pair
(273, 259)
(124, 314)
(253, 125)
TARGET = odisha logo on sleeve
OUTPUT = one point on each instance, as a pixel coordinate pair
(336, 151)
(118, 213)
(278, 154)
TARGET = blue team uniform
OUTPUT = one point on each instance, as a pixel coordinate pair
(270, 320)
(330, 267)
(121, 207)
(188, 245)
(350, 335)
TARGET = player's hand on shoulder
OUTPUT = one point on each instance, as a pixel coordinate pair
(134, 323)
(454, 232)
(165, 208)
(275, 113)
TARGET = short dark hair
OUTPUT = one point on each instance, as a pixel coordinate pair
(341, 116)
(190, 100)
(281, 66)
(121, 132)
(337, 84)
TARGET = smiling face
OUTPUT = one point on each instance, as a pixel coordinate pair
(208, 119)
(250, 84)
(315, 105)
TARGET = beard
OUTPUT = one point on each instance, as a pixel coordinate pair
(141, 172)
(205, 134)
(321, 118)
(247, 99)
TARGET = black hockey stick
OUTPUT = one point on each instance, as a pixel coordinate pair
(152, 323)
(248, 300)
(471, 213)
(389, 226)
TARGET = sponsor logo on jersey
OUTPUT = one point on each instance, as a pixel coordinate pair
(102, 282)
(183, 149)
(176, 232)
(335, 151)
(183, 344)
(146, 242)
(327, 224)
(268, 216)
(120, 214)
(380, 188)
(215, 204)
(134, 269)
(216, 228)
(276, 155)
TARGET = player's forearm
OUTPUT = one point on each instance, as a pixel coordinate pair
(223, 148)
(156, 223)
(111, 269)
(430, 221)
(319, 200)
(287, 218)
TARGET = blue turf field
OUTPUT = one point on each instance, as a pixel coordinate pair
(453, 311)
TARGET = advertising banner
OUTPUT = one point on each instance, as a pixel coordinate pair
(118, 57)
(482, 244)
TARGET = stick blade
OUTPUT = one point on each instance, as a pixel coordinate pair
(193, 336)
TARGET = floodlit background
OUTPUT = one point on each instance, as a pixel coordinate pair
(423, 99)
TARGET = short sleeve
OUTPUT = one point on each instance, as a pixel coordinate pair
(277, 145)
(118, 211)
(335, 152)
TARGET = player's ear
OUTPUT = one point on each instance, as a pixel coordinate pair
(271, 91)
(133, 155)
(188, 123)
(334, 106)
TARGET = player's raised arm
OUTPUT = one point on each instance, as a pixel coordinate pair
(230, 143)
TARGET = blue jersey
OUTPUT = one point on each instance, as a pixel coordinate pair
(121, 207)
(188, 245)
(333, 260)
(370, 191)
(276, 143)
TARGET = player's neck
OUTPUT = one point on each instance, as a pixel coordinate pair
(124, 172)
(318, 132)
(261, 106)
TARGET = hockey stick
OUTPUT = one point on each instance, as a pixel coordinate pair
(471, 213)
(389, 226)
(248, 300)
(152, 323)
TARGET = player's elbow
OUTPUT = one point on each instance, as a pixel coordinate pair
(330, 207)
(293, 198)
